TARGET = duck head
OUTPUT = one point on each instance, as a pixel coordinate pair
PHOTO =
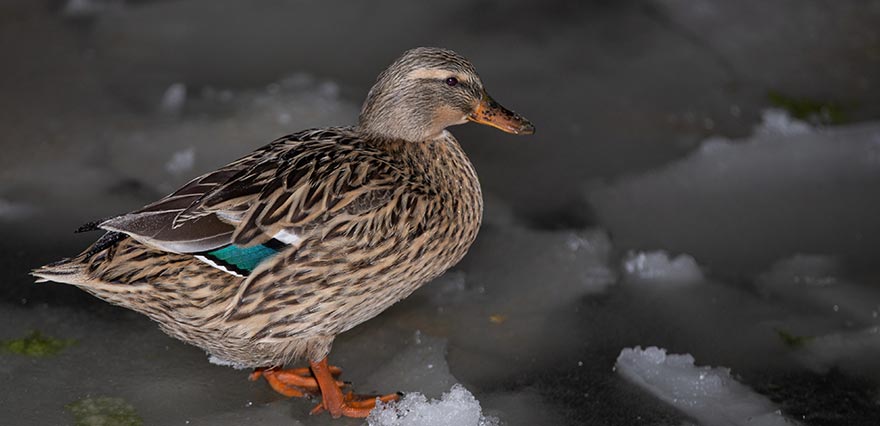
(427, 90)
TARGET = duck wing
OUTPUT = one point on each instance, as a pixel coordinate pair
(299, 180)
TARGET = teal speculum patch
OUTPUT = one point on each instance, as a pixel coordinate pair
(244, 259)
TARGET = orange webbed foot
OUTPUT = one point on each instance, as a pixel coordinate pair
(357, 405)
(294, 382)
(333, 401)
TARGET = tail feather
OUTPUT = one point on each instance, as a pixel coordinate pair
(75, 270)
(67, 271)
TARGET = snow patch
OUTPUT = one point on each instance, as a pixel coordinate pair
(779, 122)
(709, 395)
(458, 407)
(656, 267)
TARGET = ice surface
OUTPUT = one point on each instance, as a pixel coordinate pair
(709, 395)
(738, 205)
(819, 283)
(838, 321)
(455, 408)
(779, 122)
(522, 275)
(419, 367)
(124, 165)
(533, 319)
(855, 352)
(804, 270)
(656, 267)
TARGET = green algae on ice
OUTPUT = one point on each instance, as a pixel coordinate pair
(825, 112)
(793, 341)
(104, 411)
(36, 344)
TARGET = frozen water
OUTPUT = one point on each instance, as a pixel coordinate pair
(420, 367)
(221, 125)
(654, 139)
(854, 352)
(802, 270)
(656, 267)
(710, 395)
(738, 205)
(779, 122)
(819, 284)
(455, 408)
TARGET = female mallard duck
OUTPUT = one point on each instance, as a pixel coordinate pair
(267, 259)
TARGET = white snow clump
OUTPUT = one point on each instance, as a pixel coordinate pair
(656, 267)
(458, 407)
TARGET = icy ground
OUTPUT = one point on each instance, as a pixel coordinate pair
(671, 248)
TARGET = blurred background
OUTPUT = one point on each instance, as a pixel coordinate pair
(705, 178)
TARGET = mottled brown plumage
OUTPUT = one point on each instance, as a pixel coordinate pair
(353, 220)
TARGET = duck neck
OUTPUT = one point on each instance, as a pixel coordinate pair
(391, 126)
(396, 115)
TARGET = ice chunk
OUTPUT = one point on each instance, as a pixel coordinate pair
(779, 122)
(173, 99)
(655, 267)
(458, 407)
(738, 204)
(709, 395)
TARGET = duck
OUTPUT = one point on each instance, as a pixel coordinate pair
(264, 261)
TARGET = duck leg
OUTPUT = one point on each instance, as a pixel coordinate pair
(294, 382)
(332, 399)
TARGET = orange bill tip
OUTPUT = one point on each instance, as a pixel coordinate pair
(491, 113)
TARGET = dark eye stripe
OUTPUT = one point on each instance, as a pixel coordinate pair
(451, 81)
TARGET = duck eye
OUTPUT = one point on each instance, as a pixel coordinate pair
(451, 81)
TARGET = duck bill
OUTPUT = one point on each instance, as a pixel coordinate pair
(491, 113)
